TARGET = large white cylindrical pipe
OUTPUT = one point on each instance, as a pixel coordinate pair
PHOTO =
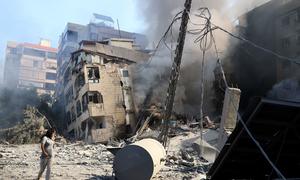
(140, 160)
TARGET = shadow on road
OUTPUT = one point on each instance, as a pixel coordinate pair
(97, 177)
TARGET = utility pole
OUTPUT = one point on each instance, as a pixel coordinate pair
(175, 73)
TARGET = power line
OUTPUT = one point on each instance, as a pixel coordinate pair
(202, 38)
(258, 145)
(162, 40)
(175, 73)
(248, 131)
(212, 27)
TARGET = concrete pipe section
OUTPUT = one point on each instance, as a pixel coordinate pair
(140, 160)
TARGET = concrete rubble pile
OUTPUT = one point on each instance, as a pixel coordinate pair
(184, 153)
(185, 158)
(79, 160)
(72, 161)
(83, 154)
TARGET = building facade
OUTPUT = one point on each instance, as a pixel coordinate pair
(97, 90)
(287, 32)
(31, 66)
(274, 26)
(100, 28)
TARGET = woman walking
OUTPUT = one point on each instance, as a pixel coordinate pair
(47, 143)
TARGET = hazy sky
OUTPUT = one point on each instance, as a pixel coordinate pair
(30, 20)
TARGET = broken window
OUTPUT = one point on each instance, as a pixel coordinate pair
(50, 86)
(105, 60)
(73, 115)
(76, 58)
(50, 76)
(78, 108)
(83, 126)
(68, 117)
(31, 84)
(100, 126)
(125, 73)
(95, 97)
(51, 65)
(84, 102)
(72, 36)
(72, 133)
(52, 55)
(79, 82)
(99, 123)
(93, 74)
(34, 52)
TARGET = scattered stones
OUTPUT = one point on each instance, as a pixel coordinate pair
(188, 164)
(4, 142)
(79, 160)
(186, 156)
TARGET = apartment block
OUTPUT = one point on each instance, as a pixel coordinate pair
(274, 25)
(97, 90)
(100, 28)
(30, 65)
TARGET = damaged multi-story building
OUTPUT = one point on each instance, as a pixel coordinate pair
(274, 26)
(30, 65)
(100, 28)
(98, 91)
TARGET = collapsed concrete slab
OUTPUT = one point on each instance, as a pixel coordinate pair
(229, 114)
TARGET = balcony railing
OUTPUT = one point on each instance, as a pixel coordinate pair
(96, 109)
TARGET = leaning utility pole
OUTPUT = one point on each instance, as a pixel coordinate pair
(175, 73)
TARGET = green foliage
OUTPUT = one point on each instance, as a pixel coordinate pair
(13, 103)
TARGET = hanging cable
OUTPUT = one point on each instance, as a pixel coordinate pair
(162, 40)
(206, 32)
(210, 27)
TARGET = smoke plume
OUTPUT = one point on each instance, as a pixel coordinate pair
(153, 80)
(287, 90)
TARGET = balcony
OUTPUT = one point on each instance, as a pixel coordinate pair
(96, 110)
